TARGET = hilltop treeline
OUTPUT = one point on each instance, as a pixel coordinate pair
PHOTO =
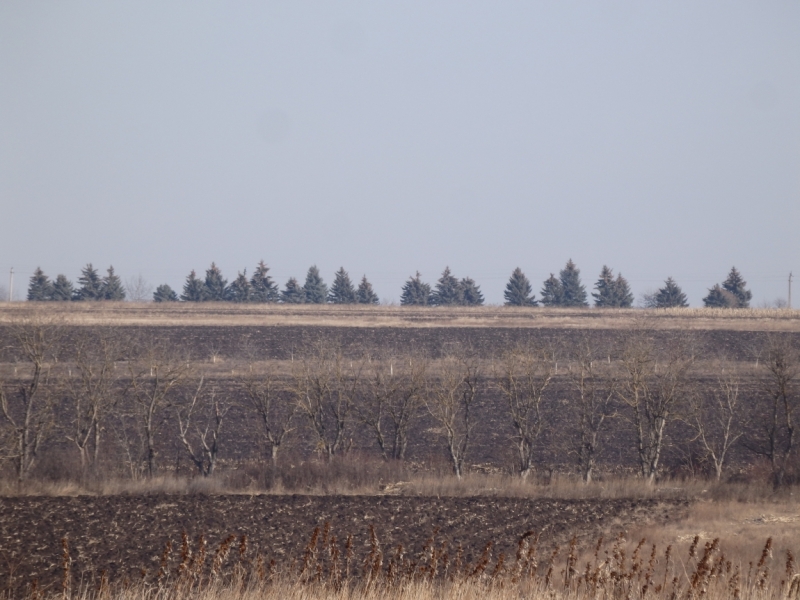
(112, 399)
(565, 290)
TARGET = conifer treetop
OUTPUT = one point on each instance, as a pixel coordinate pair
(164, 293)
(416, 292)
(342, 291)
(670, 296)
(574, 293)
(519, 291)
(216, 286)
(365, 293)
(316, 291)
(293, 293)
(63, 290)
(552, 292)
(447, 292)
(194, 289)
(40, 288)
(91, 285)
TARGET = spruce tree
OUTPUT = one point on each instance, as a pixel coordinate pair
(719, 297)
(240, 289)
(264, 288)
(365, 293)
(164, 293)
(415, 292)
(216, 285)
(194, 290)
(91, 285)
(623, 292)
(611, 292)
(470, 292)
(606, 289)
(342, 290)
(112, 286)
(670, 295)
(552, 292)
(573, 290)
(62, 289)
(314, 288)
(40, 288)
(293, 293)
(447, 292)
(737, 286)
(519, 291)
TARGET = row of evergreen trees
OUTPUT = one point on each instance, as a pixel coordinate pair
(91, 286)
(566, 290)
(262, 288)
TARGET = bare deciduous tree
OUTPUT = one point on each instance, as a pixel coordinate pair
(27, 412)
(138, 289)
(392, 399)
(276, 413)
(202, 445)
(325, 385)
(154, 375)
(523, 374)
(717, 420)
(450, 399)
(774, 435)
(90, 389)
(652, 385)
(596, 385)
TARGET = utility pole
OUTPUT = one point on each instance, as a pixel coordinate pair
(11, 284)
(790, 290)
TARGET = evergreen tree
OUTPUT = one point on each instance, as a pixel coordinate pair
(293, 293)
(365, 293)
(573, 290)
(447, 292)
(518, 290)
(470, 293)
(552, 292)
(112, 286)
(623, 292)
(314, 288)
(612, 293)
(342, 290)
(164, 293)
(415, 292)
(606, 290)
(62, 289)
(240, 289)
(40, 288)
(193, 290)
(718, 297)
(91, 285)
(264, 288)
(670, 295)
(736, 285)
(216, 285)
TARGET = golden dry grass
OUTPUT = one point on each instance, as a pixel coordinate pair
(226, 314)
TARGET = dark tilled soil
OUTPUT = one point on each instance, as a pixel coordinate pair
(125, 534)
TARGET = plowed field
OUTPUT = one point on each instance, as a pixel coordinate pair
(124, 534)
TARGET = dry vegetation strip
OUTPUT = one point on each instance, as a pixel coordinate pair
(334, 564)
(227, 314)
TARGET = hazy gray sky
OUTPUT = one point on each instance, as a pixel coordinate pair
(660, 138)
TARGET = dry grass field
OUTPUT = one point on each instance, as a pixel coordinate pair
(234, 315)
